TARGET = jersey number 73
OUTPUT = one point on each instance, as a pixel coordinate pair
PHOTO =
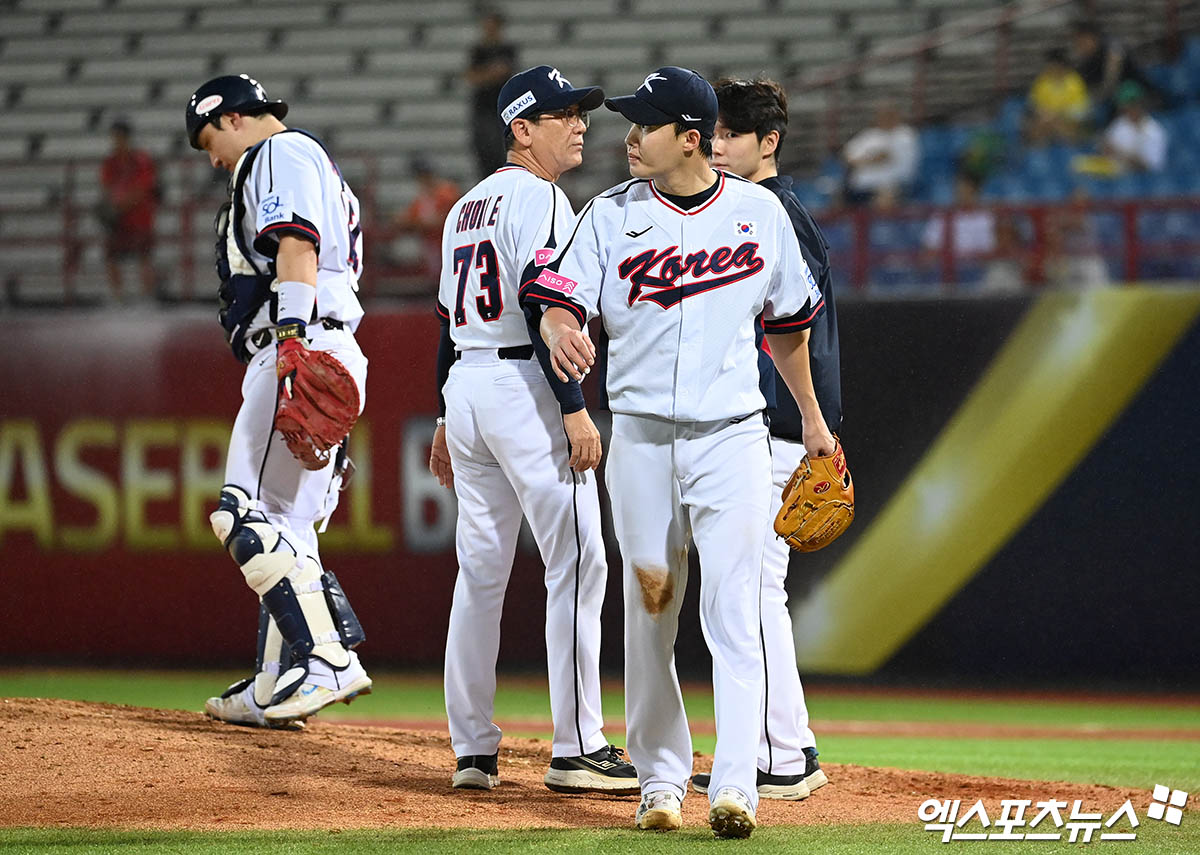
(490, 303)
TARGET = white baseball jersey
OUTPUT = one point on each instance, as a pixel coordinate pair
(295, 188)
(504, 223)
(678, 292)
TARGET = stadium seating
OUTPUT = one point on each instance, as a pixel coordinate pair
(382, 82)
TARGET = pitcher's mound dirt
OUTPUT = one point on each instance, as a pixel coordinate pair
(71, 764)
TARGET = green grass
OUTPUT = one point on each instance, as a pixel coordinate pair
(905, 839)
(406, 696)
(1116, 762)
(1015, 711)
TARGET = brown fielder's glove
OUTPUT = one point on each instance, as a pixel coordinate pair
(318, 402)
(818, 502)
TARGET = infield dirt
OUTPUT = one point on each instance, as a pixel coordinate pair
(74, 764)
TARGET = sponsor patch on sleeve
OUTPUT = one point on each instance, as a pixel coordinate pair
(814, 293)
(550, 279)
(542, 256)
(276, 208)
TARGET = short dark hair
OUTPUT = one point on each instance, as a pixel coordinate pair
(705, 142)
(1057, 56)
(753, 105)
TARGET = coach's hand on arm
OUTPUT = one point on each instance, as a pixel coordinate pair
(439, 458)
(585, 441)
(790, 352)
(571, 350)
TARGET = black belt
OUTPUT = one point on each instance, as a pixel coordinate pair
(524, 351)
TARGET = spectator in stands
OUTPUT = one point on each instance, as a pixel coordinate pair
(427, 212)
(1135, 140)
(1058, 102)
(974, 238)
(1104, 64)
(974, 227)
(882, 159)
(1073, 258)
(493, 61)
(129, 201)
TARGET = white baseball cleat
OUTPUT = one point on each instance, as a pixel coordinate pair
(731, 814)
(237, 706)
(660, 810)
(323, 686)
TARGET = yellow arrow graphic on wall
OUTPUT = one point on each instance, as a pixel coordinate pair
(1071, 366)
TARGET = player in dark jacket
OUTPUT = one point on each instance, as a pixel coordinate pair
(753, 122)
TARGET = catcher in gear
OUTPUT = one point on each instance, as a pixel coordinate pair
(289, 253)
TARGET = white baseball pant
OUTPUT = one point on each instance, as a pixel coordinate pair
(785, 732)
(709, 480)
(509, 452)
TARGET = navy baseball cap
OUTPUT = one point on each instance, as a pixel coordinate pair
(671, 94)
(542, 89)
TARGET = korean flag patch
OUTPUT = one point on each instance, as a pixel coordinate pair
(745, 229)
(276, 208)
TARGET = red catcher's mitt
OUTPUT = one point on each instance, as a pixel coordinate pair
(818, 502)
(318, 403)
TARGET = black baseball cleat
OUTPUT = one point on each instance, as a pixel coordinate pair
(787, 787)
(476, 772)
(813, 776)
(603, 771)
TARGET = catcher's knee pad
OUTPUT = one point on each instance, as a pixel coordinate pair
(251, 540)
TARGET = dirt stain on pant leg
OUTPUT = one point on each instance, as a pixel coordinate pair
(658, 588)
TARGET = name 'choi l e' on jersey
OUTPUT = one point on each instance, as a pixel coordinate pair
(506, 223)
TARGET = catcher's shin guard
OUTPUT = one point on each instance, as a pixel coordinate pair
(292, 588)
(344, 618)
(274, 657)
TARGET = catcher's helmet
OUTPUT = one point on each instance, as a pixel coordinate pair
(231, 93)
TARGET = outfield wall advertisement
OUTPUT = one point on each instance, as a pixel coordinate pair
(113, 430)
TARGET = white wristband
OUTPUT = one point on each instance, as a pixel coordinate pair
(296, 300)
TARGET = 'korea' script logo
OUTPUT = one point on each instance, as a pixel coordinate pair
(652, 274)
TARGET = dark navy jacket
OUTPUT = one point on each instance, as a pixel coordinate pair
(823, 339)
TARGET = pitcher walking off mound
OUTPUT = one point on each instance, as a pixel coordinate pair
(678, 264)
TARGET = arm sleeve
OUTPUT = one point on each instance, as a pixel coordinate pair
(572, 278)
(793, 299)
(445, 355)
(287, 192)
(540, 246)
